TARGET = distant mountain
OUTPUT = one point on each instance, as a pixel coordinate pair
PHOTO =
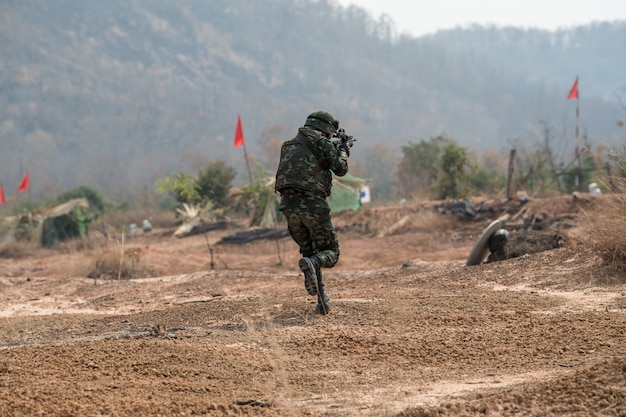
(594, 52)
(114, 94)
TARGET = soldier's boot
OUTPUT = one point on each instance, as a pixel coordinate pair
(323, 302)
(309, 265)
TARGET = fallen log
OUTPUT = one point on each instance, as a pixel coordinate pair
(252, 235)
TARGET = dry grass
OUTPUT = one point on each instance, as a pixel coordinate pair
(19, 250)
(93, 258)
(77, 245)
(604, 233)
(117, 260)
(428, 220)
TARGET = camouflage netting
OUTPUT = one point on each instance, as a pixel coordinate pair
(346, 193)
(46, 226)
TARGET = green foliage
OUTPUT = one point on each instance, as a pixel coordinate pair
(485, 181)
(22, 206)
(254, 199)
(438, 165)
(418, 170)
(589, 172)
(97, 202)
(184, 188)
(167, 203)
(210, 186)
(70, 226)
(454, 166)
(214, 181)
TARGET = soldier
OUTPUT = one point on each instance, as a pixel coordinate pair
(304, 181)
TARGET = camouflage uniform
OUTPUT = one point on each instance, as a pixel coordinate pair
(304, 181)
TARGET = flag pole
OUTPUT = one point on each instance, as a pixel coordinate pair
(578, 159)
(245, 155)
(573, 93)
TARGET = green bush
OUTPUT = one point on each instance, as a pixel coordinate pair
(454, 166)
(97, 202)
(183, 187)
(214, 182)
(210, 186)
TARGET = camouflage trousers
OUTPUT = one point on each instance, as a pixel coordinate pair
(311, 227)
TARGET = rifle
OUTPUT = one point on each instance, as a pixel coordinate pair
(343, 141)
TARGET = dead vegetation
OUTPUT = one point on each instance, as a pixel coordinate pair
(19, 250)
(115, 260)
(604, 233)
(108, 253)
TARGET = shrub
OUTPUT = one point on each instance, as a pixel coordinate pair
(210, 186)
(117, 261)
(97, 201)
(214, 181)
(604, 231)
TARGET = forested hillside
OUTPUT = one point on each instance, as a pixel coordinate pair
(594, 52)
(116, 94)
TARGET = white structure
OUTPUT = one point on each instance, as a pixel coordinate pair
(365, 194)
(593, 189)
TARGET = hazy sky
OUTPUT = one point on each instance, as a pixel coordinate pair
(419, 17)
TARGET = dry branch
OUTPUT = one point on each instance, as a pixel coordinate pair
(202, 300)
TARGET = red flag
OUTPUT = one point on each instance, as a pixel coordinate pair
(2, 201)
(238, 133)
(24, 184)
(573, 93)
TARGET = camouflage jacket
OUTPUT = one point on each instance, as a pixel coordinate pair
(299, 170)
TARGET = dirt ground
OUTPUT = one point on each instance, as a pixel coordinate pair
(413, 331)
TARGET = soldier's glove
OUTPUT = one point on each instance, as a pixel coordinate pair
(342, 141)
(343, 147)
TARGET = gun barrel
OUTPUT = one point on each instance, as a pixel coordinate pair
(342, 137)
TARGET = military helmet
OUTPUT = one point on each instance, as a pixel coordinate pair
(323, 121)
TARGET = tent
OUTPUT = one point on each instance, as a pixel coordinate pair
(346, 193)
(65, 221)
